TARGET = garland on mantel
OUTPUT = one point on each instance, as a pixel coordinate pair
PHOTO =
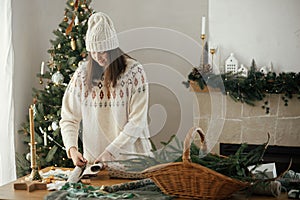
(252, 88)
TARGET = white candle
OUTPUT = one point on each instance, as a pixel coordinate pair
(45, 136)
(203, 26)
(45, 139)
(42, 68)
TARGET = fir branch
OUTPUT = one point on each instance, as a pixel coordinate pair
(252, 88)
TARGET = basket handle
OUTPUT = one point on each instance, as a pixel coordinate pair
(187, 143)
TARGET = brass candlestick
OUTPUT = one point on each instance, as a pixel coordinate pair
(34, 175)
(41, 80)
(212, 51)
(34, 169)
(202, 58)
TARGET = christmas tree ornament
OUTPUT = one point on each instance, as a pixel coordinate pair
(76, 21)
(83, 54)
(54, 125)
(79, 44)
(57, 78)
(65, 17)
(59, 46)
(34, 110)
(76, 5)
(28, 156)
(34, 100)
(69, 29)
(73, 44)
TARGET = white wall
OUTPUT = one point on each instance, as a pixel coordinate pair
(267, 30)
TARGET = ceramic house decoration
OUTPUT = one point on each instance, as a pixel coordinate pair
(264, 70)
(243, 71)
(231, 64)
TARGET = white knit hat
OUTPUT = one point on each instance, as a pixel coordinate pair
(101, 34)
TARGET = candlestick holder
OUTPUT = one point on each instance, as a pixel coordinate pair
(212, 52)
(34, 175)
(41, 80)
(203, 43)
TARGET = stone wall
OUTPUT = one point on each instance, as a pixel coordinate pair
(245, 123)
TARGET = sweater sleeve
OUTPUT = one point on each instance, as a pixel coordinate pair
(71, 112)
(137, 126)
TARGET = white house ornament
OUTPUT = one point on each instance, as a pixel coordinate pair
(243, 71)
(57, 78)
(231, 64)
(264, 70)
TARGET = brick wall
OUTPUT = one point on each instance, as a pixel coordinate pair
(245, 123)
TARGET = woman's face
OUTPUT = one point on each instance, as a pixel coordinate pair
(101, 58)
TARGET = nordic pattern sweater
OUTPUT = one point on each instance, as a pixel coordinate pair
(114, 119)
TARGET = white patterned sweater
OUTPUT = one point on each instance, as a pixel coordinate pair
(114, 119)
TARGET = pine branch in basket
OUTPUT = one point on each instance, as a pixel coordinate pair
(234, 166)
(171, 151)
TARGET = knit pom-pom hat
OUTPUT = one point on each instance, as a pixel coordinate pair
(101, 35)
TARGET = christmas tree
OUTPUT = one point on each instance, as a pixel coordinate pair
(66, 52)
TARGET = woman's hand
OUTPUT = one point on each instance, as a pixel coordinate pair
(105, 156)
(77, 158)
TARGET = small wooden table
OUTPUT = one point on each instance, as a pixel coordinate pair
(8, 192)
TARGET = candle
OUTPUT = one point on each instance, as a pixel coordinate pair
(31, 123)
(42, 68)
(45, 136)
(203, 26)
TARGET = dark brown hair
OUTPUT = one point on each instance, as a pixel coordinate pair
(117, 66)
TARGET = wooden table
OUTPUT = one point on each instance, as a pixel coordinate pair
(8, 192)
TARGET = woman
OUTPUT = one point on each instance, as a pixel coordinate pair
(109, 95)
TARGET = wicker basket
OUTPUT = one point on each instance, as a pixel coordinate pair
(190, 180)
